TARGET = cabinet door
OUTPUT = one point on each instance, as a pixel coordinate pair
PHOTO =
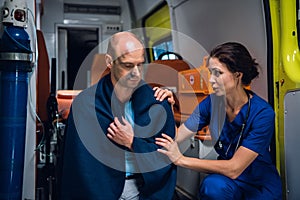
(291, 143)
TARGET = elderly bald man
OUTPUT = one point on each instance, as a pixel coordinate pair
(109, 144)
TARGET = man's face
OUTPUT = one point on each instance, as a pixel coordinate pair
(127, 69)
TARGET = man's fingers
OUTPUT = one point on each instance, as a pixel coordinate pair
(117, 122)
(124, 121)
(113, 126)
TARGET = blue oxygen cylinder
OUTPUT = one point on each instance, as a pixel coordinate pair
(15, 65)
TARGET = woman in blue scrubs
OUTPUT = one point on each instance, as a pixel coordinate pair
(241, 125)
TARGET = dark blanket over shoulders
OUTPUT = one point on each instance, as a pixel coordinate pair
(93, 167)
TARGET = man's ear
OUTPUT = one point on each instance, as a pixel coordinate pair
(108, 61)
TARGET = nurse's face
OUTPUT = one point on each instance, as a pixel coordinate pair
(221, 79)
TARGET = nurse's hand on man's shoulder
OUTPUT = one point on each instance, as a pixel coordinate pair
(163, 93)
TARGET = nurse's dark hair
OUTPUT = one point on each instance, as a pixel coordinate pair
(237, 59)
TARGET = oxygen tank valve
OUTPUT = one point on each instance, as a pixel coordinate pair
(15, 42)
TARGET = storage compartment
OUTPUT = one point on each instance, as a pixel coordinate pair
(194, 81)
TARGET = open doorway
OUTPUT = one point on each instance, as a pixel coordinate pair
(74, 43)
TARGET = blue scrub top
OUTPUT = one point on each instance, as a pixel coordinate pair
(256, 136)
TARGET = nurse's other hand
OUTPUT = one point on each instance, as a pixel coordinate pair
(170, 148)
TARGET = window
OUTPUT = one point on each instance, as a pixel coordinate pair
(158, 31)
(162, 47)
